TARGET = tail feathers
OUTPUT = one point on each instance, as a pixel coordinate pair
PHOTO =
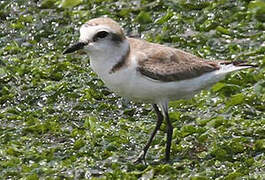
(228, 67)
(238, 63)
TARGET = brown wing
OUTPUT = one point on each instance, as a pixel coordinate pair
(168, 64)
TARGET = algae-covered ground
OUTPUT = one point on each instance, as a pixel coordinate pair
(58, 121)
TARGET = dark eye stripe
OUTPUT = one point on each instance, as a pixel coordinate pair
(116, 38)
(100, 35)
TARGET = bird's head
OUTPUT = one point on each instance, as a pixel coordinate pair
(98, 35)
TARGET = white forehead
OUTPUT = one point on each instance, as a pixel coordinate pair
(87, 32)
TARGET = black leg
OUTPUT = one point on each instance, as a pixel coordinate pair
(141, 157)
(169, 136)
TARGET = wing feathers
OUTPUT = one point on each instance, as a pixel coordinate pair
(167, 64)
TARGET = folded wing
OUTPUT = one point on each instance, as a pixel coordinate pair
(168, 64)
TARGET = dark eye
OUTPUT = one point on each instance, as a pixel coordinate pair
(100, 35)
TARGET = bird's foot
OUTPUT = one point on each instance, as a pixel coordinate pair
(140, 158)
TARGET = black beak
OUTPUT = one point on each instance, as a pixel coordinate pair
(75, 47)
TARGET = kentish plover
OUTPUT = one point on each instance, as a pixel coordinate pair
(148, 72)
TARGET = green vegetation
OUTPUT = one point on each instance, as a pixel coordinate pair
(58, 121)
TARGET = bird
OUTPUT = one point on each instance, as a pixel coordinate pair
(148, 72)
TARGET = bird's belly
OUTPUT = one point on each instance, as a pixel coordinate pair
(129, 84)
(137, 87)
(133, 85)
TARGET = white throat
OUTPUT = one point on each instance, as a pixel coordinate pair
(102, 61)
